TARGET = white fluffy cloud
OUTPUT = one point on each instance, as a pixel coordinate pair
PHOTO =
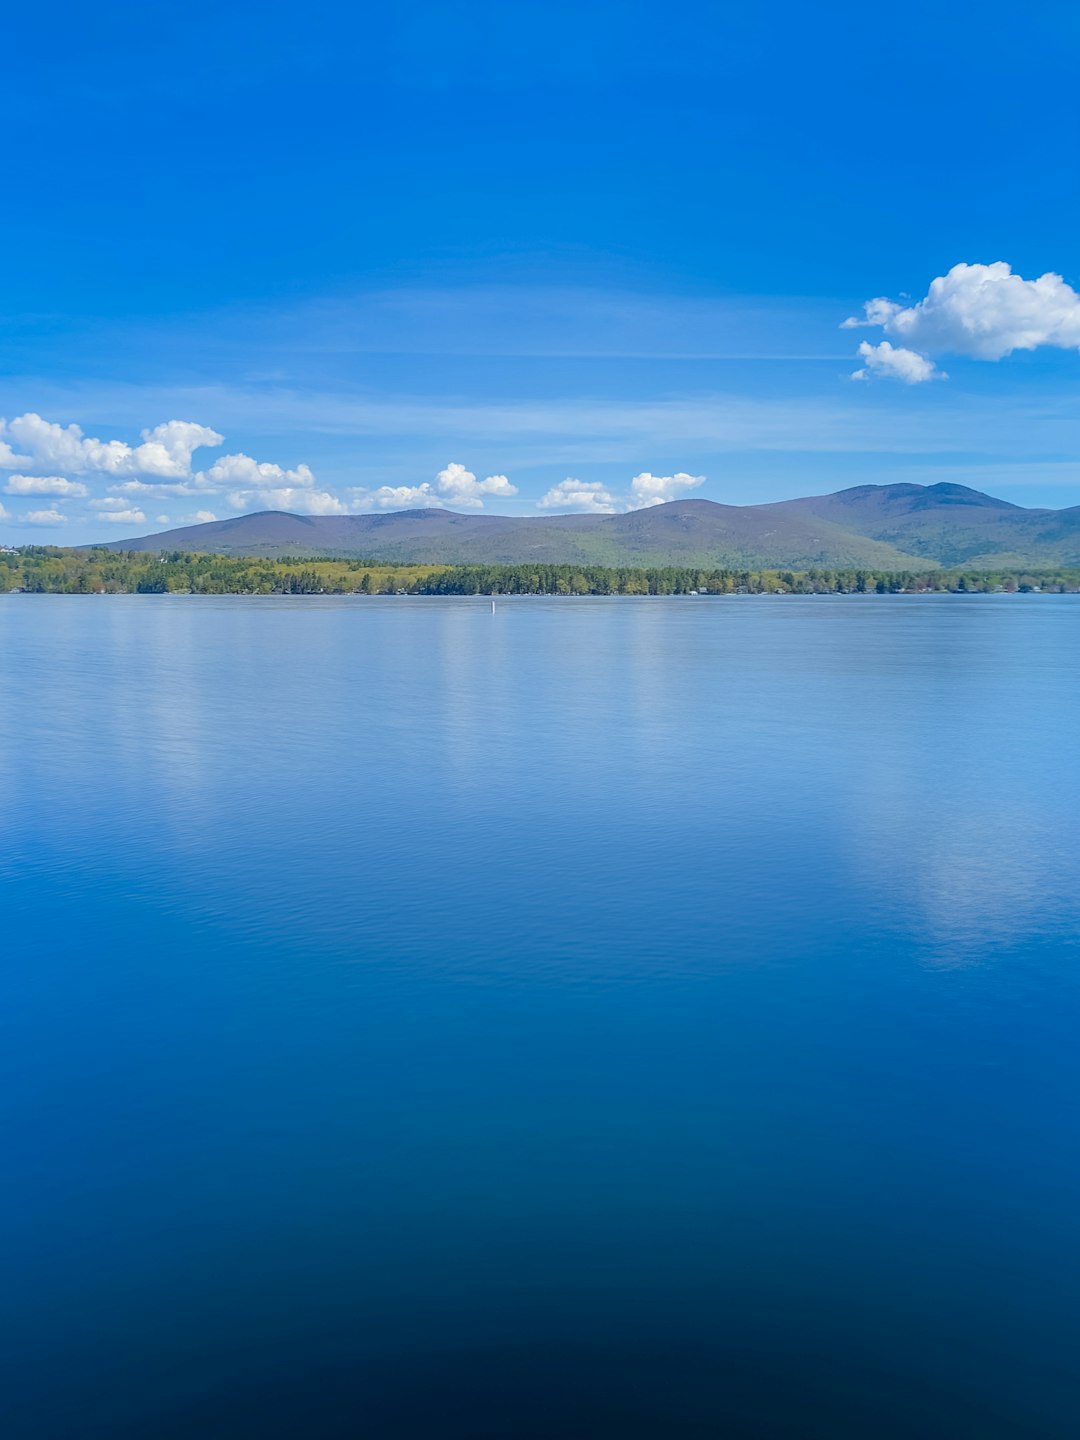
(243, 471)
(453, 486)
(202, 516)
(594, 498)
(906, 365)
(45, 485)
(297, 500)
(255, 485)
(397, 497)
(458, 486)
(123, 517)
(646, 489)
(44, 517)
(166, 450)
(984, 311)
(589, 497)
(875, 312)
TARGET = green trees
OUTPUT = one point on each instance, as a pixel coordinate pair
(40, 569)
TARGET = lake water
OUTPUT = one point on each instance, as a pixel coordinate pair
(620, 1018)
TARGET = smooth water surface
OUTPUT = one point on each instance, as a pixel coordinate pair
(601, 1018)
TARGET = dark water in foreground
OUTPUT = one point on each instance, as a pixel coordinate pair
(630, 1018)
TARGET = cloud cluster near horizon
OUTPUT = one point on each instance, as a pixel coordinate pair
(42, 456)
(984, 312)
(454, 486)
(161, 467)
(594, 498)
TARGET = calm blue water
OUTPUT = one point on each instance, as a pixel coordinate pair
(604, 1018)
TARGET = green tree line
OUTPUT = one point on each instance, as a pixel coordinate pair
(43, 569)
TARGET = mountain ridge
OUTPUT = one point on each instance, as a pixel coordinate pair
(880, 527)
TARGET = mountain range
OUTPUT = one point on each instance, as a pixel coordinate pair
(879, 527)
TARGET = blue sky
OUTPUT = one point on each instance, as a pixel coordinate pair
(463, 254)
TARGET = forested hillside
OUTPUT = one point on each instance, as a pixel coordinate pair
(870, 527)
(51, 570)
